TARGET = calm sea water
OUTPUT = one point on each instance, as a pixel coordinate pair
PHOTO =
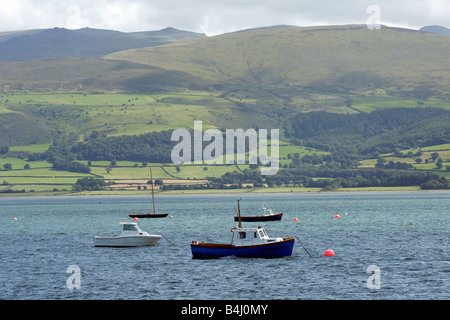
(404, 236)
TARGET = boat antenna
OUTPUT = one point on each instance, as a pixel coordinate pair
(153, 195)
(239, 212)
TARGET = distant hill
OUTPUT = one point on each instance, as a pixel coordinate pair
(269, 77)
(86, 42)
(273, 65)
(279, 26)
(287, 63)
(436, 29)
(332, 59)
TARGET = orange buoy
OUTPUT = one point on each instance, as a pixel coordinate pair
(329, 253)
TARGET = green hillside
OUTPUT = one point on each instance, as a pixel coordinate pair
(21, 129)
(265, 75)
(292, 63)
(346, 99)
(71, 75)
(116, 114)
(313, 67)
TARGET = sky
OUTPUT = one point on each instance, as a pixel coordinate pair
(214, 17)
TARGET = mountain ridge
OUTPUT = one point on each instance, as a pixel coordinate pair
(286, 62)
(436, 29)
(334, 58)
(85, 42)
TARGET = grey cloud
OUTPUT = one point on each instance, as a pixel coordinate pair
(211, 16)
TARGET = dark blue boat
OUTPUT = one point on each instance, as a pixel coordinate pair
(276, 249)
(246, 243)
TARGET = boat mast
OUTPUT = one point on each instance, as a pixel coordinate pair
(153, 196)
(239, 213)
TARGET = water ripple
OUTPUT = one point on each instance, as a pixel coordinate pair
(396, 232)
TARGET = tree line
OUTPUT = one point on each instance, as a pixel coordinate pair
(295, 178)
(66, 150)
(349, 137)
(380, 131)
(149, 147)
(332, 178)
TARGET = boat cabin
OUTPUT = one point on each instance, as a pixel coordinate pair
(251, 236)
(130, 228)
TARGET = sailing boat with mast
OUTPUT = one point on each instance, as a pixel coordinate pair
(148, 214)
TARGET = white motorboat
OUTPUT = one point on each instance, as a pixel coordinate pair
(131, 236)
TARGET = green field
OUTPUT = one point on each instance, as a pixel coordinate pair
(131, 114)
(41, 177)
(129, 176)
(369, 103)
(427, 163)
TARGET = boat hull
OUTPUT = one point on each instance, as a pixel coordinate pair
(129, 241)
(269, 217)
(269, 250)
(150, 215)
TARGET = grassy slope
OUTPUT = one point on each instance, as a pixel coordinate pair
(118, 114)
(309, 68)
(245, 77)
(338, 59)
(268, 67)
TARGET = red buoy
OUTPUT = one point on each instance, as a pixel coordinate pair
(295, 219)
(135, 219)
(329, 253)
(337, 216)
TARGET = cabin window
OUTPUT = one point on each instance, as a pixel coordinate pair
(261, 234)
(242, 235)
(129, 227)
(255, 236)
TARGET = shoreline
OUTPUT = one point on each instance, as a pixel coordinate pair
(282, 190)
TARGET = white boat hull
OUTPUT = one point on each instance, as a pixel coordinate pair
(126, 241)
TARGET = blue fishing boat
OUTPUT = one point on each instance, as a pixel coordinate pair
(247, 243)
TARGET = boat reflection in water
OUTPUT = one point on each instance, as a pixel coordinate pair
(245, 242)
